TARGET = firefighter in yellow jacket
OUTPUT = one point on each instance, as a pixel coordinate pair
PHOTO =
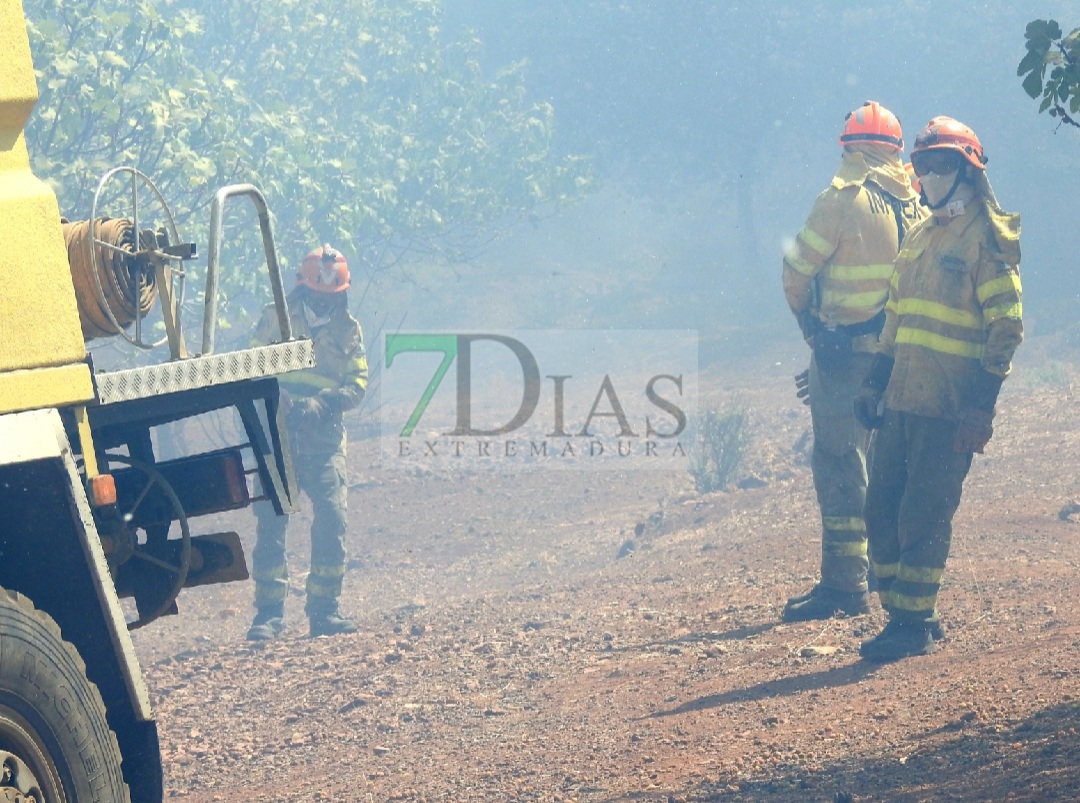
(836, 279)
(313, 401)
(953, 322)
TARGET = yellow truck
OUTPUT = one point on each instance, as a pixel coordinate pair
(95, 528)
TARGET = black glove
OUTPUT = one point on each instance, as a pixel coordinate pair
(974, 431)
(307, 410)
(802, 386)
(337, 400)
(809, 323)
(976, 428)
(984, 391)
(868, 402)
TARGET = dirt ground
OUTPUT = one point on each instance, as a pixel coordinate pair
(607, 636)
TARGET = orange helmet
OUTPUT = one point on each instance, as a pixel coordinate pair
(945, 133)
(873, 123)
(324, 270)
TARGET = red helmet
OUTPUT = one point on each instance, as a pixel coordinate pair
(324, 270)
(873, 123)
(945, 133)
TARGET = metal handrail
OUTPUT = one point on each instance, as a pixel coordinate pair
(276, 284)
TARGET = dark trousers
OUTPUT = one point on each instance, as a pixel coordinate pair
(839, 465)
(322, 479)
(916, 480)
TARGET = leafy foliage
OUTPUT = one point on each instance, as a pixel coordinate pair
(722, 439)
(359, 123)
(1048, 49)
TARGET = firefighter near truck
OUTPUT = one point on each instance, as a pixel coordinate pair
(96, 529)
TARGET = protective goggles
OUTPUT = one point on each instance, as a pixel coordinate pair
(941, 161)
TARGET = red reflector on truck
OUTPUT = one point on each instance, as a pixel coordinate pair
(101, 490)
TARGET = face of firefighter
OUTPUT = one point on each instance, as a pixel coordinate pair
(947, 195)
(937, 187)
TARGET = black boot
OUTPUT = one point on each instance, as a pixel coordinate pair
(326, 621)
(937, 630)
(268, 624)
(824, 603)
(899, 639)
(801, 598)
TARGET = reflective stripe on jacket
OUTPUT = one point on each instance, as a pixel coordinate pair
(340, 359)
(954, 306)
(340, 363)
(849, 242)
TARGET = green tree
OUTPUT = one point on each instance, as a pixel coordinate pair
(361, 125)
(1048, 49)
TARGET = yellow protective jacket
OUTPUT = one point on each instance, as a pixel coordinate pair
(954, 307)
(340, 364)
(849, 243)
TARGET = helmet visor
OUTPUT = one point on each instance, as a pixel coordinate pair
(940, 161)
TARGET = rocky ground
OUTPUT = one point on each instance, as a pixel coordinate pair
(615, 636)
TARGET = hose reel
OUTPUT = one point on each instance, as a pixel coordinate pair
(120, 269)
(120, 293)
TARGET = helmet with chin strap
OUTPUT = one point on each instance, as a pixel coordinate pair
(946, 147)
(947, 134)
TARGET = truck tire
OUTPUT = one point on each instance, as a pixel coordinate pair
(55, 740)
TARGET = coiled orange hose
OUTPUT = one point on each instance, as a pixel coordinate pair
(120, 282)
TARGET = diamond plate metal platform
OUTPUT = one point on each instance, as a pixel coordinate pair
(202, 372)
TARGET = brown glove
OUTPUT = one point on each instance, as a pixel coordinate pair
(973, 431)
(802, 386)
